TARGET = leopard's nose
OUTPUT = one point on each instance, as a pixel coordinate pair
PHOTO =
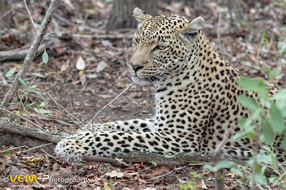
(136, 67)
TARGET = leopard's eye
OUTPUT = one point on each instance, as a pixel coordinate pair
(160, 47)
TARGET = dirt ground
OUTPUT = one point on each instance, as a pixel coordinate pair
(93, 68)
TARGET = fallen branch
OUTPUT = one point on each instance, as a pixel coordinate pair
(18, 129)
(31, 54)
(176, 160)
(104, 36)
(18, 54)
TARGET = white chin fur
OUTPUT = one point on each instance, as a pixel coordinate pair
(139, 81)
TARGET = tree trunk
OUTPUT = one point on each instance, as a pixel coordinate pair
(6, 21)
(121, 14)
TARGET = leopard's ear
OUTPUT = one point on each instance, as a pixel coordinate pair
(195, 26)
(192, 29)
(140, 16)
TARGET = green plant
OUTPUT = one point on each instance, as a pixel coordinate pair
(110, 183)
(266, 126)
(190, 184)
(31, 88)
(154, 163)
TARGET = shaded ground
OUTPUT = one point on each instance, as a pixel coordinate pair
(86, 91)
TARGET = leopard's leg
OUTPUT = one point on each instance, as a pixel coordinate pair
(114, 142)
(134, 125)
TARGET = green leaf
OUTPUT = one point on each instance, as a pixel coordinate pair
(276, 119)
(246, 129)
(154, 163)
(196, 175)
(256, 85)
(260, 179)
(272, 73)
(282, 47)
(39, 94)
(10, 72)
(284, 142)
(281, 95)
(268, 133)
(264, 158)
(182, 187)
(273, 179)
(45, 57)
(220, 165)
(249, 103)
(23, 83)
(41, 111)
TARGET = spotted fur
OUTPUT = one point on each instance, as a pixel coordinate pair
(196, 96)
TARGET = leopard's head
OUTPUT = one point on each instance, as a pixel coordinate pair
(162, 45)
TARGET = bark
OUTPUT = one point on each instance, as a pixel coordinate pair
(175, 160)
(121, 14)
(6, 19)
(35, 133)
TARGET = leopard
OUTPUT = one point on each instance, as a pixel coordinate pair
(196, 97)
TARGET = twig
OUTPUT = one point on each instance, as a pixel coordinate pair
(61, 107)
(17, 164)
(5, 110)
(8, 150)
(168, 173)
(30, 16)
(219, 175)
(110, 102)
(3, 78)
(49, 118)
(7, 13)
(111, 161)
(76, 25)
(49, 155)
(33, 148)
(31, 54)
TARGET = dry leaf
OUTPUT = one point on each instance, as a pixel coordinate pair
(232, 175)
(101, 66)
(106, 186)
(80, 64)
(91, 76)
(82, 79)
(115, 174)
(204, 185)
